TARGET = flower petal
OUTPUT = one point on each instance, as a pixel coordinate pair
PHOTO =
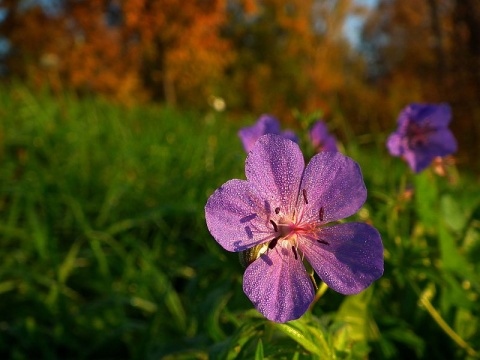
(438, 116)
(278, 285)
(333, 184)
(440, 143)
(275, 165)
(235, 215)
(394, 144)
(290, 135)
(352, 259)
(418, 160)
(330, 144)
(318, 133)
(266, 124)
(321, 138)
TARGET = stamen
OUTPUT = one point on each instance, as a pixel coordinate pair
(312, 278)
(323, 242)
(294, 252)
(320, 213)
(277, 210)
(274, 225)
(273, 243)
(304, 192)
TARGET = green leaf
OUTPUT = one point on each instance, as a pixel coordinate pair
(453, 294)
(452, 213)
(299, 337)
(241, 338)
(259, 351)
(218, 302)
(426, 202)
(355, 313)
(405, 336)
(452, 259)
(466, 324)
(68, 263)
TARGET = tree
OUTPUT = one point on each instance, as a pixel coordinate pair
(290, 53)
(179, 44)
(427, 51)
(166, 49)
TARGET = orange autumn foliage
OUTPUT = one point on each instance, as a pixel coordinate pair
(258, 55)
(179, 44)
(154, 51)
(291, 54)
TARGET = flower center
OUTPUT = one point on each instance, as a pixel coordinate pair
(288, 228)
(418, 134)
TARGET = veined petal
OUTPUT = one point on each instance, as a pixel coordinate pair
(318, 133)
(266, 124)
(394, 144)
(278, 285)
(418, 160)
(275, 165)
(321, 138)
(330, 144)
(438, 116)
(290, 135)
(236, 216)
(350, 260)
(332, 182)
(440, 143)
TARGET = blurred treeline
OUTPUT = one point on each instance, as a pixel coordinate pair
(258, 55)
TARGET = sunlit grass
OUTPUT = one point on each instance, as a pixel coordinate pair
(105, 252)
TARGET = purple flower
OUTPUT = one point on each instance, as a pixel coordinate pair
(266, 124)
(321, 139)
(285, 206)
(422, 135)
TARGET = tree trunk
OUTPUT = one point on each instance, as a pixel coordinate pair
(438, 34)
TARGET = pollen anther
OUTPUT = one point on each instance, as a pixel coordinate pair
(294, 252)
(304, 192)
(273, 243)
(275, 227)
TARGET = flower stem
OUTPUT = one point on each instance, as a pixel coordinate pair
(321, 290)
(445, 327)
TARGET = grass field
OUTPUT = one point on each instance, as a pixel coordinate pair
(105, 253)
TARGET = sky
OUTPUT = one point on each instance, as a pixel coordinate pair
(369, 3)
(352, 27)
(354, 24)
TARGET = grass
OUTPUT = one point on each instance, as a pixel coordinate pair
(105, 253)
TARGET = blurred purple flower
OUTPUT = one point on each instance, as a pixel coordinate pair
(321, 139)
(285, 206)
(422, 135)
(266, 124)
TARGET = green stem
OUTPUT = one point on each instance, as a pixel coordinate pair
(321, 290)
(445, 327)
